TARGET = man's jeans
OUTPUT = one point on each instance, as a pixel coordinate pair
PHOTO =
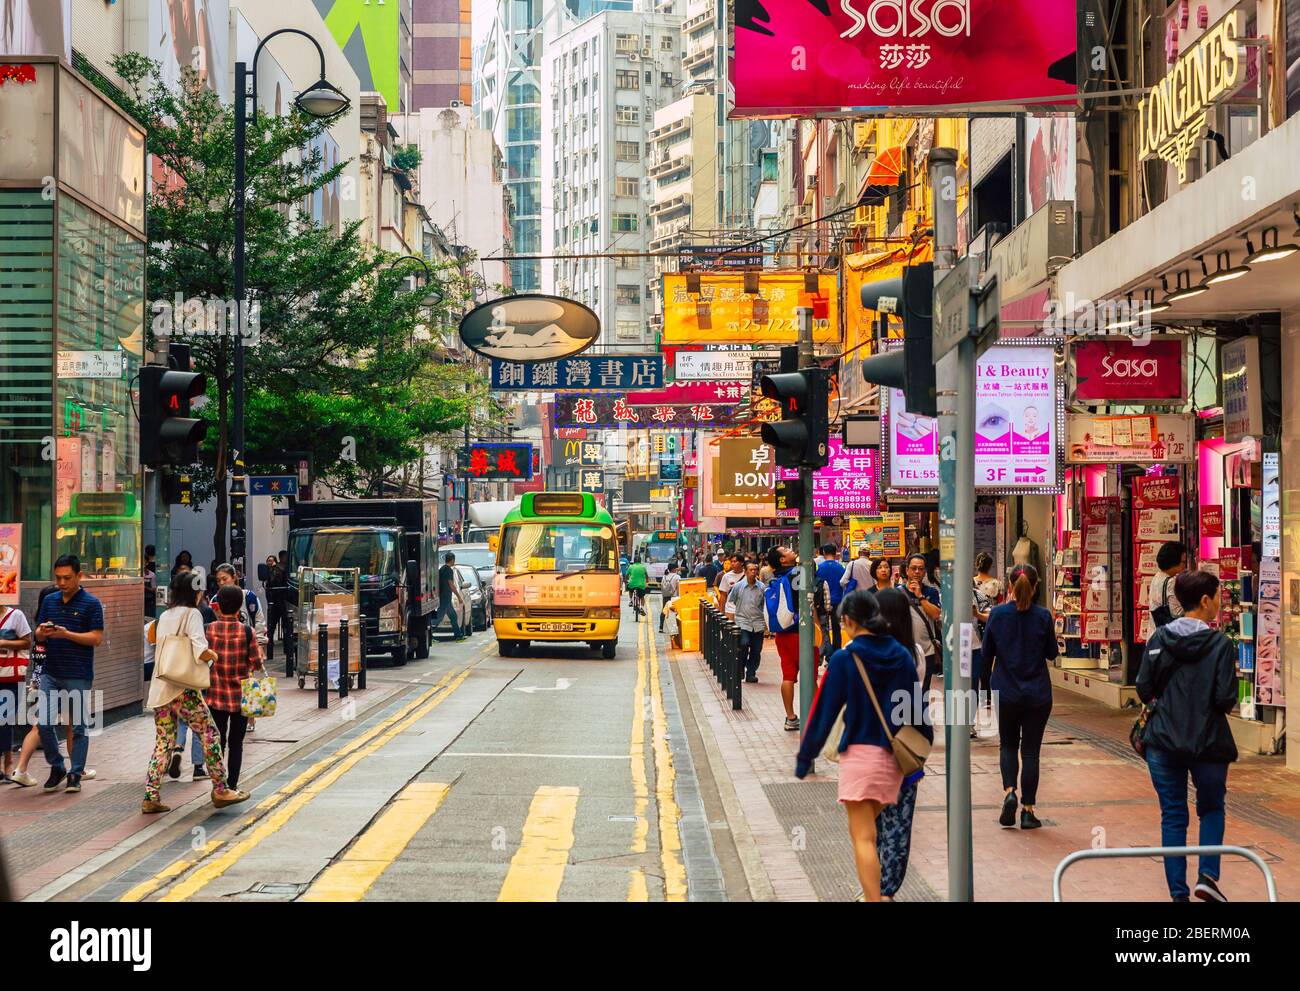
(448, 608)
(196, 745)
(1169, 775)
(76, 710)
(751, 652)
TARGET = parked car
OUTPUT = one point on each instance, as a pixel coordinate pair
(480, 598)
(480, 557)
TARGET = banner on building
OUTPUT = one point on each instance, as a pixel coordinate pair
(1211, 521)
(11, 562)
(613, 411)
(1017, 433)
(883, 534)
(591, 480)
(615, 372)
(901, 56)
(36, 27)
(1129, 371)
(690, 393)
(711, 366)
(848, 483)
(503, 462)
(1166, 438)
(1269, 684)
(753, 308)
(746, 471)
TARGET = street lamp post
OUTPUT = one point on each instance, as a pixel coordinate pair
(320, 100)
(431, 298)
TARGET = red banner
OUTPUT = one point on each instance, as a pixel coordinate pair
(1211, 521)
(1156, 492)
(1128, 370)
(689, 393)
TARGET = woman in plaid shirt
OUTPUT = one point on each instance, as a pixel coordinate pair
(238, 656)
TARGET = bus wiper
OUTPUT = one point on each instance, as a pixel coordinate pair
(584, 571)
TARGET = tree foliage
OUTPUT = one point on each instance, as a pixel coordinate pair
(331, 347)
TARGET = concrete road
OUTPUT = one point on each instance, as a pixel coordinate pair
(556, 776)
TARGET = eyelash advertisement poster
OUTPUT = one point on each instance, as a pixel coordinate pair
(1015, 426)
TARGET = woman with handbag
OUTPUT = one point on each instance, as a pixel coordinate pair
(15, 653)
(176, 693)
(871, 674)
(238, 657)
(894, 824)
(1019, 641)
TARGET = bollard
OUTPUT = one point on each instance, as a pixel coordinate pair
(343, 658)
(361, 661)
(322, 668)
(290, 647)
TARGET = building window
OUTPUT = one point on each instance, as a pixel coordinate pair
(627, 187)
(627, 151)
(628, 296)
(627, 115)
(666, 43)
(625, 223)
(666, 80)
(624, 43)
(628, 330)
(627, 79)
(769, 166)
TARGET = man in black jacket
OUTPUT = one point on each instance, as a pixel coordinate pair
(1188, 675)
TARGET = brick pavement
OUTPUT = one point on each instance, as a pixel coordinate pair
(47, 836)
(1094, 791)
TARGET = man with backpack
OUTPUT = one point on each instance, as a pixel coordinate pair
(783, 622)
(1162, 603)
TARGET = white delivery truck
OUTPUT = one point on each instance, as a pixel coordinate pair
(485, 519)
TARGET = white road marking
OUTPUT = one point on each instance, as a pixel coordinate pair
(467, 753)
(561, 684)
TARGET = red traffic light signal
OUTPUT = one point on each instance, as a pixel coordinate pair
(168, 434)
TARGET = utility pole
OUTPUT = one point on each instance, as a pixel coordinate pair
(956, 402)
(807, 615)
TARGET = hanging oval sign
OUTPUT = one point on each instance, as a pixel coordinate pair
(529, 328)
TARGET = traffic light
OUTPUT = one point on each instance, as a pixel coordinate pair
(168, 434)
(800, 438)
(911, 368)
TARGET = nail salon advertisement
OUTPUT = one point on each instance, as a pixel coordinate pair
(1016, 443)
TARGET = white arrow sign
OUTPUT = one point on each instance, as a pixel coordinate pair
(560, 685)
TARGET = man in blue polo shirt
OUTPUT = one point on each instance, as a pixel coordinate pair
(71, 625)
(830, 571)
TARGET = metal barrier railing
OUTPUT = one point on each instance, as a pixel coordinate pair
(720, 642)
(1163, 851)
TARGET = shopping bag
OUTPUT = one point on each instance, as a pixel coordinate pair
(257, 696)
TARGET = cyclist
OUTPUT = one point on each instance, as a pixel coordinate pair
(636, 585)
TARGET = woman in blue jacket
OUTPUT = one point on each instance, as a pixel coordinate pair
(1019, 641)
(869, 776)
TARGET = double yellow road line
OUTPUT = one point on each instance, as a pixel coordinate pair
(273, 812)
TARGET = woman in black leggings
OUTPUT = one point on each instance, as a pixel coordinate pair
(1019, 641)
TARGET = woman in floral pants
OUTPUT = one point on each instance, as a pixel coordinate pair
(172, 702)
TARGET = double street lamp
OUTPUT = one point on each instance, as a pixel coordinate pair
(433, 292)
(320, 100)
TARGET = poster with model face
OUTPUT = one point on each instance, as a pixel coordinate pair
(1269, 684)
(1049, 160)
(191, 34)
(1015, 426)
(36, 27)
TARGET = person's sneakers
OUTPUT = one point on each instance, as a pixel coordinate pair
(150, 807)
(1028, 820)
(88, 774)
(792, 724)
(1181, 898)
(1207, 891)
(55, 781)
(23, 779)
(1008, 816)
(74, 782)
(174, 768)
(200, 773)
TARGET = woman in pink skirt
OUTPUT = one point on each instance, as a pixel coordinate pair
(869, 776)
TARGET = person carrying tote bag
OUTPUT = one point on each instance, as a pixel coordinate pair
(182, 648)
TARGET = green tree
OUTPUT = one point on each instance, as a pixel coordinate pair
(331, 345)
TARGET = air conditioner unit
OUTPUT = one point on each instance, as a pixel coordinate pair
(457, 103)
(828, 204)
(633, 57)
(647, 52)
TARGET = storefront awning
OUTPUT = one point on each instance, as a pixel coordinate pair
(883, 177)
(1211, 215)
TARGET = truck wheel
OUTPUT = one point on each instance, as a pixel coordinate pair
(422, 650)
(505, 648)
(609, 649)
(399, 656)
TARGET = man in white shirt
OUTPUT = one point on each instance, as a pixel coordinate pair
(728, 581)
(1172, 561)
(860, 570)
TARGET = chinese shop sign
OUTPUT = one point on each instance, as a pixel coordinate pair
(613, 411)
(630, 371)
(729, 308)
(848, 482)
(510, 462)
(529, 328)
(1165, 438)
(688, 393)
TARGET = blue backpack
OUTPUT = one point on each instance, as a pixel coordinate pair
(781, 614)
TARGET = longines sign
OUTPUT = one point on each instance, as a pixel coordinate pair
(1173, 116)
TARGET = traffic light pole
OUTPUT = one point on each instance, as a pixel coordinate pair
(956, 404)
(807, 614)
(235, 464)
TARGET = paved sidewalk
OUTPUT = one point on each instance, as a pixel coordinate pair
(47, 836)
(1094, 792)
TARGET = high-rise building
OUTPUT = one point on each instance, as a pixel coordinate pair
(603, 81)
(442, 55)
(376, 38)
(508, 100)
